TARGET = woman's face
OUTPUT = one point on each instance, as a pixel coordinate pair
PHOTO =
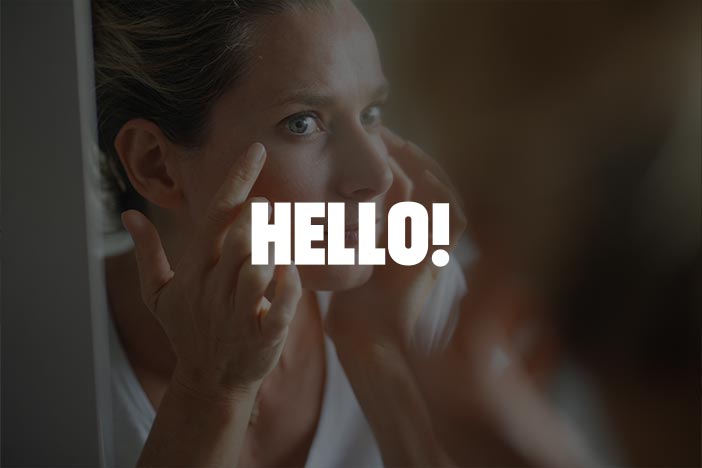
(312, 96)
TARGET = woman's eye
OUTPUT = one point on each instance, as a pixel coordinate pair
(372, 116)
(302, 125)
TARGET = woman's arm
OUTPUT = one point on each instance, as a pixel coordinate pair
(191, 430)
(372, 326)
(396, 411)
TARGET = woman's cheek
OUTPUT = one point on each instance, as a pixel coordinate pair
(292, 174)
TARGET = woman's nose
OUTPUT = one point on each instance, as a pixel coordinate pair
(363, 172)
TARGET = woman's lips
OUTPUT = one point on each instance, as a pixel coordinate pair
(351, 234)
(352, 237)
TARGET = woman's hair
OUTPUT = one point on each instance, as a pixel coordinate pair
(168, 61)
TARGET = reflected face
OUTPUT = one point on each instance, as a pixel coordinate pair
(313, 96)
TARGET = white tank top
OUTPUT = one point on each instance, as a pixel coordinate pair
(343, 437)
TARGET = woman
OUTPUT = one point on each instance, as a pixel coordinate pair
(204, 107)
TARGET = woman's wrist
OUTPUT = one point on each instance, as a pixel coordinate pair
(349, 332)
(200, 387)
(371, 348)
(198, 425)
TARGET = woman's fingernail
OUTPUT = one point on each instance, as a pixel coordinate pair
(255, 153)
(394, 139)
(414, 147)
(124, 217)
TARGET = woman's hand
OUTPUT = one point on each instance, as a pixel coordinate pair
(225, 334)
(388, 305)
(372, 326)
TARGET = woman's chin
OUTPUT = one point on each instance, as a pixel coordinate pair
(334, 277)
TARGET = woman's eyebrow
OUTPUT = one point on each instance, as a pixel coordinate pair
(381, 92)
(312, 96)
(308, 96)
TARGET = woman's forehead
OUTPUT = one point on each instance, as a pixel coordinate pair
(313, 53)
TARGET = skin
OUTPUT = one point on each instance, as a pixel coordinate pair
(393, 387)
(197, 337)
(202, 339)
(335, 89)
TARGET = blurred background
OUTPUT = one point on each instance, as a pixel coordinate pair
(571, 130)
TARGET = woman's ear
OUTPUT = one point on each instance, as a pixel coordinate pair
(146, 155)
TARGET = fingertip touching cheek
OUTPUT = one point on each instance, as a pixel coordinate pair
(313, 95)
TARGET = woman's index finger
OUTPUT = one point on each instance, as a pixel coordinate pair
(235, 188)
(393, 142)
(413, 159)
(226, 203)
